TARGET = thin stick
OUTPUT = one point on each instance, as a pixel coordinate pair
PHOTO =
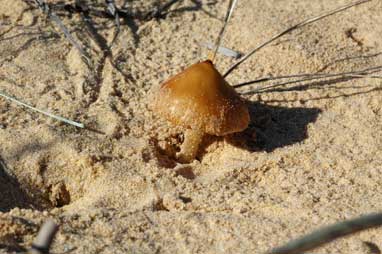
(269, 88)
(359, 73)
(59, 118)
(112, 8)
(301, 24)
(45, 9)
(231, 7)
(329, 234)
(343, 77)
(366, 73)
(44, 239)
(222, 50)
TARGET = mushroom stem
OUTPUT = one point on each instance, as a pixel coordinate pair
(190, 145)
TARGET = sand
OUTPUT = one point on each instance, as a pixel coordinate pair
(311, 156)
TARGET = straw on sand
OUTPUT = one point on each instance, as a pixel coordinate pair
(59, 118)
(328, 234)
(290, 29)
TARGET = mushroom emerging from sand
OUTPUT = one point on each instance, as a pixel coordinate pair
(202, 102)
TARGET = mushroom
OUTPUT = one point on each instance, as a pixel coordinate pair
(202, 102)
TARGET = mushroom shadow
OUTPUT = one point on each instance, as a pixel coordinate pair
(273, 127)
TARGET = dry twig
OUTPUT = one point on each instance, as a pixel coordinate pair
(365, 73)
(328, 234)
(290, 29)
(44, 7)
(59, 118)
(231, 7)
(44, 239)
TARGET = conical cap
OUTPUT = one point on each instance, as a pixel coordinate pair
(199, 97)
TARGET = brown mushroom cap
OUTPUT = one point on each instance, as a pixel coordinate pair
(200, 98)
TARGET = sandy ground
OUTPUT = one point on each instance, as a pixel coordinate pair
(311, 156)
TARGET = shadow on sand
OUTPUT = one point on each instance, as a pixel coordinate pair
(274, 127)
(11, 193)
